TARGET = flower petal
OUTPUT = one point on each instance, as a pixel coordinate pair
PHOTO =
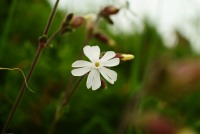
(90, 79)
(96, 50)
(108, 55)
(92, 53)
(96, 83)
(111, 63)
(81, 63)
(109, 75)
(80, 71)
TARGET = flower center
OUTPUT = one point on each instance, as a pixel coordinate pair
(97, 64)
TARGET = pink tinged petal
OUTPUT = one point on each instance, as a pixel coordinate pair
(111, 63)
(96, 83)
(108, 55)
(81, 63)
(109, 75)
(92, 52)
(80, 71)
(90, 79)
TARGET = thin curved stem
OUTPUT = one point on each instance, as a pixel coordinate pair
(22, 90)
(30, 72)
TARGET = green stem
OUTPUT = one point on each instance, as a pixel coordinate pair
(56, 118)
(67, 95)
(71, 80)
(64, 102)
(86, 41)
(49, 22)
(30, 72)
(22, 90)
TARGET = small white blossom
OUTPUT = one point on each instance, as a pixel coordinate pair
(96, 66)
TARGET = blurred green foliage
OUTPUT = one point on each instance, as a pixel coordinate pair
(146, 84)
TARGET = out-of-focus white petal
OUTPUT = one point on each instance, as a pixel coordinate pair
(90, 78)
(96, 51)
(80, 71)
(111, 63)
(92, 53)
(81, 63)
(109, 75)
(96, 80)
(108, 55)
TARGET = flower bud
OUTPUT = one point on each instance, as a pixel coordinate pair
(71, 22)
(103, 38)
(90, 28)
(125, 57)
(77, 21)
(103, 84)
(67, 20)
(69, 17)
(109, 10)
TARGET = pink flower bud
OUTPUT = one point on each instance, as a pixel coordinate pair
(103, 38)
(77, 21)
(109, 10)
(90, 28)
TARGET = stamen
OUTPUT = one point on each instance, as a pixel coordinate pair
(97, 64)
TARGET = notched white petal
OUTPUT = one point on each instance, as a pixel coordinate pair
(96, 51)
(111, 63)
(92, 53)
(81, 63)
(108, 55)
(87, 51)
(80, 71)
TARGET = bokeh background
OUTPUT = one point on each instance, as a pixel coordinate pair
(156, 93)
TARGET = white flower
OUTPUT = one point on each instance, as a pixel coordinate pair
(96, 66)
